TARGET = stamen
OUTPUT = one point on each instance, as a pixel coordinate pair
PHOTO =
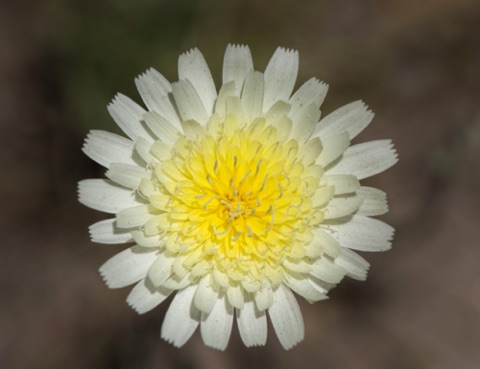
(293, 207)
(263, 183)
(285, 173)
(245, 176)
(219, 233)
(228, 205)
(272, 220)
(236, 237)
(209, 180)
(258, 167)
(280, 195)
(210, 200)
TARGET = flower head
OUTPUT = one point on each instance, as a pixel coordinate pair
(234, 200)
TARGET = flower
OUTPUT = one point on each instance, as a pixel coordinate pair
(234, 200)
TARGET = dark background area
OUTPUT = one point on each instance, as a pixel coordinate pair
(416, 63)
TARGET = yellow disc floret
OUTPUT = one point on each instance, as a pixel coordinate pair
(235, 199)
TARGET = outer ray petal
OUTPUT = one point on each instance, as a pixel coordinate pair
(126, 174)
(366, 159)
(144, 298)
(107, 232)
(155, 89)
(128, 115)
(354, 265)
(280, 76)
(206, 295)
(193, 67)
(311, 91)
(106, 196)
(216, 326)
(252, 95)
(339, 207)
(286, 318)
(374, 201)
(252, 325)
(363, 233)
(236, 64)
(106, 148)
(189, 102)
(353, 118)
(182, 318)
(127, 267)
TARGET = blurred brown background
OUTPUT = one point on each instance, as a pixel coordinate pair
(416, 63)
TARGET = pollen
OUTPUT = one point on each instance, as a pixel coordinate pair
(237, 201)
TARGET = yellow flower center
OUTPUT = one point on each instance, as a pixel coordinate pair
(235, 199)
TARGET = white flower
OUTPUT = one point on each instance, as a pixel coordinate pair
(234, 200)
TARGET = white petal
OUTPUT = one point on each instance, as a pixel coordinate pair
(161, 269)
(193, 67)
(363, 233)
(128, 115)
(144, 298)
(177, 283)
(280, 76)
(354, 265)
(327, 271)
(252, 95)
(221, 278)
(134, 216)
(142, 148)
(343, 183)
(329, 245)
(304, 121)
(182, 318)
(366, 159)
(252, 325)
(189, 103)
(126, 175)
(322, 196)
(236, 64)
(192, 129)
(216, 327)
(106, 231)
(161, 128)
(235, 296)
(154, 89)
(301, 285)
(226, 91)
(127, 267)
(310, 151)
(312, 91)
(300, 266)
(106, 196)
(374, 201)
(234, 108)
(107, 148)
(333, 148)
(339, 207)
(286, 318)
(277, 111)
(147, 241)
(206, 295)
(353, 118)
(264, 297)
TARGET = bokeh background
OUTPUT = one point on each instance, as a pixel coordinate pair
(416, 63)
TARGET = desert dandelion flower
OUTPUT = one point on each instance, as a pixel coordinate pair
(232, 200)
